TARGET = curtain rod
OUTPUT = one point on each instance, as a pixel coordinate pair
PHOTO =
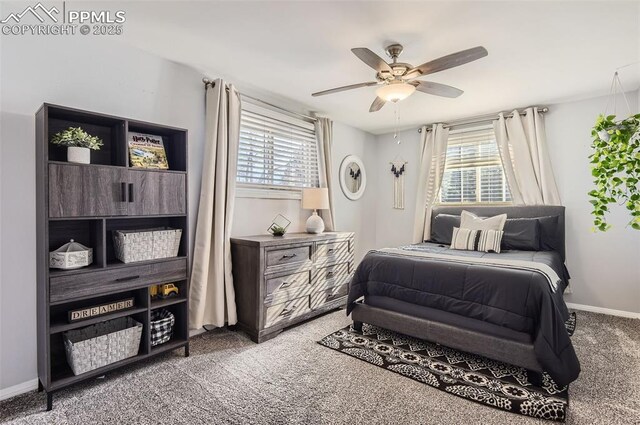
(207, 82)
(481, 119)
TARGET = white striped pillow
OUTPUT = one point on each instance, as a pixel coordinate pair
(489, 240)
(464, 239)
(476, 240)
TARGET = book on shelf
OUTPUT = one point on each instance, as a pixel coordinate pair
(147, 151)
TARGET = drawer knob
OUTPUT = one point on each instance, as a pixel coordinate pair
(124, 279)
(287, 256)
(285, 284)
(330, 274)
(330, 250)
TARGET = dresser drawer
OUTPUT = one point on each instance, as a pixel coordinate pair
(288, 256)
(330, 276)
(286, 311)
(333, 251)
(86, 285)
(318, 299)
(288, 287)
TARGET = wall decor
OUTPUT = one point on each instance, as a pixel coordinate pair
(100, 310)
(398, 167)
(353, 177)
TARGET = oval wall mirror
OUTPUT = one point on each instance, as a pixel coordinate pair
(353, 177)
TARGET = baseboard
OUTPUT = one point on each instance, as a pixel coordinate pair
(609, 311)
(18, 389)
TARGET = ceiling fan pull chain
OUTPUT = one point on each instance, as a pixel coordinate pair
(396, 112)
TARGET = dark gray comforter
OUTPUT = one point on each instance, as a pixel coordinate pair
(521, 300)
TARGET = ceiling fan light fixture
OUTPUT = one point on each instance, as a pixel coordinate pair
(394, 92)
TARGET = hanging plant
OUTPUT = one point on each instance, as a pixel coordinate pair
(615, 166)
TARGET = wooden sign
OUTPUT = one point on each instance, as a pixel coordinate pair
(100, 310)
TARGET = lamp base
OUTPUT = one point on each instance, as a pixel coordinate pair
(315, 224)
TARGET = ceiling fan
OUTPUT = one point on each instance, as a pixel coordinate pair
(397, 79)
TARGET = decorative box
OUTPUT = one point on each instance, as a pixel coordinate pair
(71, 255)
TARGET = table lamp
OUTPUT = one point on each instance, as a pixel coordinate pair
(315, 199)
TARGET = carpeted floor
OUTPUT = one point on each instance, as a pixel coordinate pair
(292, 379)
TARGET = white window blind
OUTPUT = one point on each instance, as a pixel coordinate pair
(473, 170)
(276, 151)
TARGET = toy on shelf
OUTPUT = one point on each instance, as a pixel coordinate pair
(166, 290)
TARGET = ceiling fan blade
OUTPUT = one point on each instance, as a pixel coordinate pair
(446, 62)
(371, 59)
(343, 88)
(377, 104)
(436, 89)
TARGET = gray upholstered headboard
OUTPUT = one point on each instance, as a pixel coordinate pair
(512, 212)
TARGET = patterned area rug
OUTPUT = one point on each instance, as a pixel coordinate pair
(467, 375)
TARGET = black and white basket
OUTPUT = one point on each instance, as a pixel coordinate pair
(162, 322)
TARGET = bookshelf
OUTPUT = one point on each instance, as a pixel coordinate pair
(87, 203)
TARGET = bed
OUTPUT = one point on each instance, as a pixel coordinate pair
(507, 306)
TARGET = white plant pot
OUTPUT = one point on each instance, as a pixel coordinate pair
(79, 155)
(604, 135)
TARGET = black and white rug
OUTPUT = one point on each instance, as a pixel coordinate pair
(467, 375)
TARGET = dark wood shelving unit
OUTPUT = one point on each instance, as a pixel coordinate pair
(85, 202)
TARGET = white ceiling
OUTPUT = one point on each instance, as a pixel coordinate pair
(539, 52)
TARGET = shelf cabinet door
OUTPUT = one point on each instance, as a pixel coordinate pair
(156, 193)
(86, 191)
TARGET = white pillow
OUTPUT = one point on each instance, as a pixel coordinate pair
(471, 221)
(476, 240)
(464, 239)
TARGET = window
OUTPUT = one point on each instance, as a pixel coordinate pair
(473, 170)
(276, 151)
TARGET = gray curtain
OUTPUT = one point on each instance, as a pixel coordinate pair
(324, 134)
(212, 296)
(522, 144)
(433, 155)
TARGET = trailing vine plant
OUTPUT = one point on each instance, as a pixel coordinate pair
(615, 167)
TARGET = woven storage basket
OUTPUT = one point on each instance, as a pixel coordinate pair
(104, 343)
(161, 326)
(150, 244)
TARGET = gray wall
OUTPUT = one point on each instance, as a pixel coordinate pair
(605, 267)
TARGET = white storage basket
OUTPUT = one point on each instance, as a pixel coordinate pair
(142, 245)
(101, 344)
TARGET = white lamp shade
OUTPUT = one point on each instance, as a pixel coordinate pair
(395, 91)
(315, 199)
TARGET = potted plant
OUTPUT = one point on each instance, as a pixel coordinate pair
(277, 230)
(615, 166)
(78, 143)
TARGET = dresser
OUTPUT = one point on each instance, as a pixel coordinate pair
(281, 281)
